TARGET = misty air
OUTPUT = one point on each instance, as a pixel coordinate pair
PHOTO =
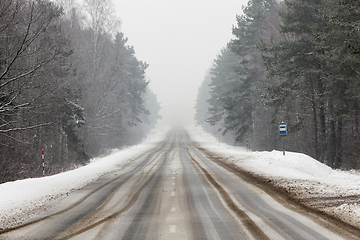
(154, 119)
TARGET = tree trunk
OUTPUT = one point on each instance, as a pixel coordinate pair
(323, 143)
(332, 141)
(338, 144)
(316, 131)
(322, 118)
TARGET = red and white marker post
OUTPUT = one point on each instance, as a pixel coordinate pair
(247, 144)
(43, 160)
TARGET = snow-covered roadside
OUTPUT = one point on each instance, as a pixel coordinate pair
(22, 198)
(333, 191)
(336, 192)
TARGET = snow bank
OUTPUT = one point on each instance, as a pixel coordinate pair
(25, 195)
(303, 176)
(274, 163)
(298, 170)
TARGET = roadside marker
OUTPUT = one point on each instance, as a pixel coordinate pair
(283, 132)
(43, 162)
(247, 143)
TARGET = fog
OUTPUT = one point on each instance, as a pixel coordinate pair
(179, 40)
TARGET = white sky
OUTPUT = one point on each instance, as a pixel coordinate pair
(179, 39)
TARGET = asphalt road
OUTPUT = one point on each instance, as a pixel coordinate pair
(171, 192)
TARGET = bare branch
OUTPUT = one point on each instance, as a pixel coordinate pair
(27, 128)
(26, 73)
(20, 48)
(12, 138)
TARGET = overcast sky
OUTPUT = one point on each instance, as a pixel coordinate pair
(179, 39)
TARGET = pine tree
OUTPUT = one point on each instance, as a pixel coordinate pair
(202, 105)
(241, 101)
(316, 66)
(223, 73)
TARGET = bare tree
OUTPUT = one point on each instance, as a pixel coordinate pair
(29, 46)
(33, 68)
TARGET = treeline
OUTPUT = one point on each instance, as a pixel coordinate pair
(69, 84)
(295, 61)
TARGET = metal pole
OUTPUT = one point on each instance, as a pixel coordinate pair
(247, 144)
(284, 145)
(43, 162)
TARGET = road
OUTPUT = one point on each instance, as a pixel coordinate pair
(171, 192)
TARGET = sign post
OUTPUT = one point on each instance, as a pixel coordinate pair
(247, 144)
(43, 162)
(283, 132)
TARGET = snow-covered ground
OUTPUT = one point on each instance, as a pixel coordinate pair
(23, 198)
(333, 191)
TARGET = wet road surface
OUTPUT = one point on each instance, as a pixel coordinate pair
(171, 192)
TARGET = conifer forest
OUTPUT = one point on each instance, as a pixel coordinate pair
(69, 85)
(293, 61)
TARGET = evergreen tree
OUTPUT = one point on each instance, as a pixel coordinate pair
(316, 66)
(342, 83)
(202, 105)
(239, 71)
(299, 67)
(223, 73)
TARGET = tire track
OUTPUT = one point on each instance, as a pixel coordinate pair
(117, 181)
(87, 220)
(152, 193)
(256, 232)
(196, 225)
(116, 214)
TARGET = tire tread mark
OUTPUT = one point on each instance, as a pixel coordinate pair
(345, 229)
(112, 216)
(107, 198)
(243, 217)
(196, 225)
(137, 168)
(150, 199)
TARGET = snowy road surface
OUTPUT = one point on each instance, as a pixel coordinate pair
(170, 192)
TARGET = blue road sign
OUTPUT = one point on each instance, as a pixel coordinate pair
(282, 128)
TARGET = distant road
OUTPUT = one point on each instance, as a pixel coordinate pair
(175, 191)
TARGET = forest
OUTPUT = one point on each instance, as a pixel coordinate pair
(69, 85)
(293, 61)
